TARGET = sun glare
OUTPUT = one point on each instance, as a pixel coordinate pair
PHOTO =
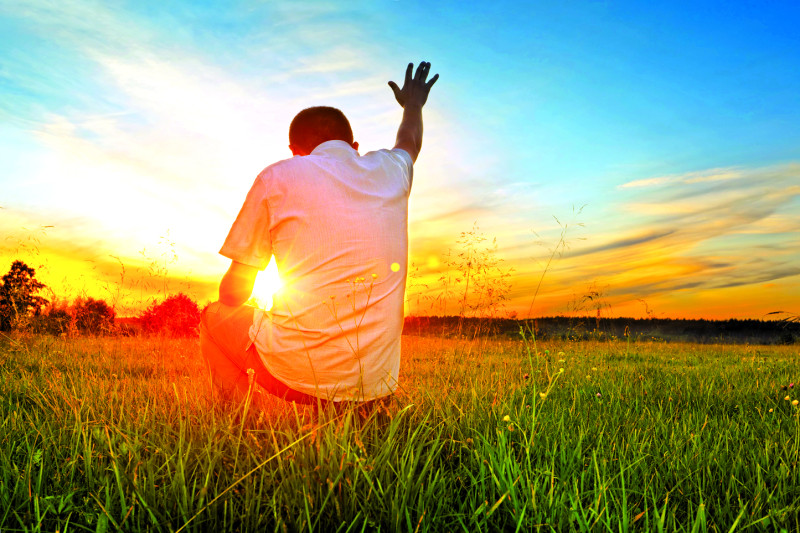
(268, 282)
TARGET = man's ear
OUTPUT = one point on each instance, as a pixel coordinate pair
(355, 146)
(297, 151)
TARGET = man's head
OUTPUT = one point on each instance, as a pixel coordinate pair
(316, 125)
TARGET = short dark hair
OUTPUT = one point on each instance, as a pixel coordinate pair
(315, 125)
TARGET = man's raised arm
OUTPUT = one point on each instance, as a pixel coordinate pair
(411, 98)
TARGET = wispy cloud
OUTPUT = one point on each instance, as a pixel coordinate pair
(714, 174)
(695, 233)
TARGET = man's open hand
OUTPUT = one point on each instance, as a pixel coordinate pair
(415, 90)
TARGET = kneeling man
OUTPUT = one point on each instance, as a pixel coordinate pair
(337, 224)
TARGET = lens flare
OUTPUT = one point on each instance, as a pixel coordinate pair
(268, 282)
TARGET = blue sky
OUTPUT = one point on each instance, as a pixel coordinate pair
(135, 129)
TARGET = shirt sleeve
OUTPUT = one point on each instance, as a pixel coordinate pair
(248, 240)
(406, 161)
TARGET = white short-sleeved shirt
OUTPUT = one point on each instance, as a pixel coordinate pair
(337, 223)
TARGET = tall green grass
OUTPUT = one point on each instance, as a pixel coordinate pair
(121, 434)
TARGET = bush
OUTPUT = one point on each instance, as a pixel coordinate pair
(93, 316)
(177, 316)
(54, 320)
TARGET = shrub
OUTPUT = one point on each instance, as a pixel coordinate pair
(93, 316)
(177, 316)
(55, 319)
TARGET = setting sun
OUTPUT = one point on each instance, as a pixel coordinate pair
(268, 282)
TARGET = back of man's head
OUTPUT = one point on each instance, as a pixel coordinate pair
(316, 125)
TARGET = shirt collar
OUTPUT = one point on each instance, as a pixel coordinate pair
(334, 148)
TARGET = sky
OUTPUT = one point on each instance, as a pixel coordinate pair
(628, 158)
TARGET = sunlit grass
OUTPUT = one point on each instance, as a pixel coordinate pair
(105, 434)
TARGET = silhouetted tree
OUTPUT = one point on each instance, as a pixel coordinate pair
(18, 298)
(93, 316)
(177, 316)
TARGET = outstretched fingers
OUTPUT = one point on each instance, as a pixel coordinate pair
(430, 83)
(422, 71)
(414, 87)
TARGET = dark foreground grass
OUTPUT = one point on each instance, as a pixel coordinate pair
(121, 434)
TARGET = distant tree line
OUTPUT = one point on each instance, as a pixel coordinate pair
(785, 331)
(23, 308)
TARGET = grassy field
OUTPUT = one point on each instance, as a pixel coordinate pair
(105, 434)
